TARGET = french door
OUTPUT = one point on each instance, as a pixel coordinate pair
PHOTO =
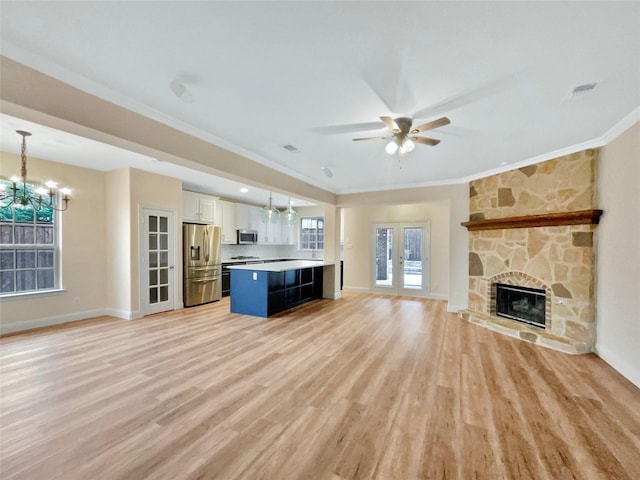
(400, 258)
(157, 273)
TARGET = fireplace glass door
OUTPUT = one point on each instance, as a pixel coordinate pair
(520, 303)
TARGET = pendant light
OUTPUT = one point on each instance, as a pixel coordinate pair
(290, 214)
(270, 214)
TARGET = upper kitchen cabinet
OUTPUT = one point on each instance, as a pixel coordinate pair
(226, 217)
(248, 217)
(198, 208)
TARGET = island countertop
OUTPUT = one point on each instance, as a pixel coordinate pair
(282, 266)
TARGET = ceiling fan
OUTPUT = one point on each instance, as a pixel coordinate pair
(401, 128)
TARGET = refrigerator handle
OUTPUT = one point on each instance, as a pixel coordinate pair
(206, 245)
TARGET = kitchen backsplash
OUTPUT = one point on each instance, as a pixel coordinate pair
(267, 251)
(261, 251)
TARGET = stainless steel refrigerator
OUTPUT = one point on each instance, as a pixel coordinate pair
(202, 264)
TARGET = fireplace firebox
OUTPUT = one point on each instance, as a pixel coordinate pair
(521, 303)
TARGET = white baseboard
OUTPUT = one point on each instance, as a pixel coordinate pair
(55, 320)
(124, 314)
(437, 296)
(623, 367)
(455, 308)
(356, 289)
(332, 296)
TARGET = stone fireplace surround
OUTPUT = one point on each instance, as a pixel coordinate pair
(535, 227)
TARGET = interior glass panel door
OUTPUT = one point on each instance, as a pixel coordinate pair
(157, 274)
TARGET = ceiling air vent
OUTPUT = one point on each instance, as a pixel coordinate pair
(290, 148)
(580, 91)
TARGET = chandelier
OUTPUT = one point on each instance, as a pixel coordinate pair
(23, 195)
(290, 214)
(270, 214)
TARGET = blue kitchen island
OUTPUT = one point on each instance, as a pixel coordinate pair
(265, 289)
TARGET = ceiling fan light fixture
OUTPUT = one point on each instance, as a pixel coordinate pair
(407, 146)
(392, 147)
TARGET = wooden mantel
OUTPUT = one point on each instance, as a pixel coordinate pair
(582, 217)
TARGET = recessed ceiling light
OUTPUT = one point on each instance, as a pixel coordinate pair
(327, 171)
(504, 163)
(244, 190)
(290, 148)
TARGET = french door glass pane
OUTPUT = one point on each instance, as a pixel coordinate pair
(384, 256)
(412, 258)
(153, 277)
(164, 276)
(164, 294)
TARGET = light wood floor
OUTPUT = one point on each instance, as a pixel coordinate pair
(362, 387)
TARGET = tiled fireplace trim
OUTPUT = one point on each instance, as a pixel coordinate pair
(518, 279)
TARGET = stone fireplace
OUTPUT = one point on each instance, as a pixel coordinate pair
(534, 228)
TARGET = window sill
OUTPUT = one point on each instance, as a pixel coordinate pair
(33, 294)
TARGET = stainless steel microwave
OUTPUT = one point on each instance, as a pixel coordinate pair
(247, 237)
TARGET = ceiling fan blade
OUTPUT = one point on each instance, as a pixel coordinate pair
(426, 141)
(347, 128)
(433, 124)
(371, 138)
(391, 124)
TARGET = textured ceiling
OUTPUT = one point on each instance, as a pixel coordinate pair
(261, 75)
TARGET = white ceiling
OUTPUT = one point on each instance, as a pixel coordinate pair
(262, 75)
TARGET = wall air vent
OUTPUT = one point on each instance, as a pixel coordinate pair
(580, 91)
(290, 148)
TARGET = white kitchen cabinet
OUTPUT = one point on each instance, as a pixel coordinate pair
(271, 232)
(248, 217)
(199, 208)
(243, 217)
(288, 234)
(227, 220)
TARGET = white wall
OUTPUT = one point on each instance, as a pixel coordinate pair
(83, 247)
(357, 245)
(457, 198)
(618, 263)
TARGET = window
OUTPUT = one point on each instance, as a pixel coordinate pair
(28, 249)
(312, 233)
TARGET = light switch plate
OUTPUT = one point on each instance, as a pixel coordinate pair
(255, 275)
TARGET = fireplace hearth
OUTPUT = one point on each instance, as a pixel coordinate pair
(521, 304)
